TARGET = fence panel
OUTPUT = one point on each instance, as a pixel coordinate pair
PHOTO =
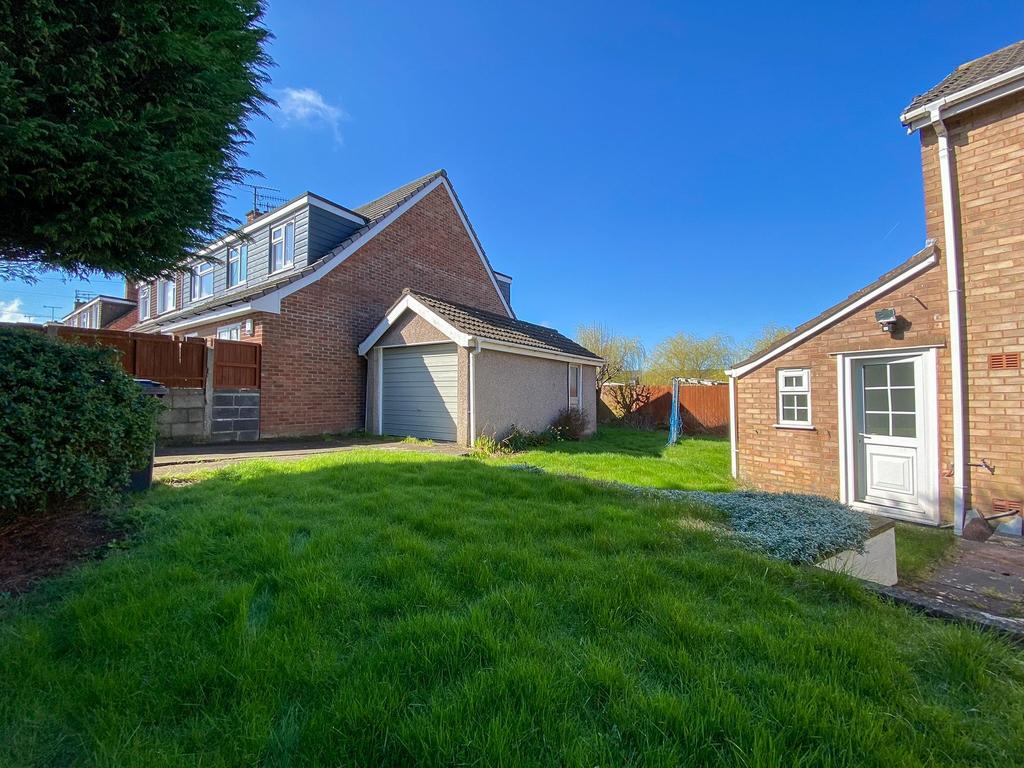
(172, 362)
(236, 363)
(705, 409)
(118, 340)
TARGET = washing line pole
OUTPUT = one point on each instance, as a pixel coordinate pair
(675, 426)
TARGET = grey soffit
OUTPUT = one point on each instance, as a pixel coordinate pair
(375, 211)
(910, 263)
(494, 327)
(972, 73)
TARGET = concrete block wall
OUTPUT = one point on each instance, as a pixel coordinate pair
(197, 415)
(236, 416)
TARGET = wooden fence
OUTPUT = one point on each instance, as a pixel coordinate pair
(705, 409)
(174, 362)
(236, 364)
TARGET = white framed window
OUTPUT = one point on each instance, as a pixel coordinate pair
(143, 302)
(164, 296)
(282, 246)
(794, 386)
(230, 332)
(238, 265)
(575, 385)
(202, 280)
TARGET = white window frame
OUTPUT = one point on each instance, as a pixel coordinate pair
(230, 332)
(199, 272)
(162, 299)
(144, 302)
(575, 372)
(803, 388)
(239, 253)
(287, 259)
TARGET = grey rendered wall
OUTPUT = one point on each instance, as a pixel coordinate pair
(525, 391)
(410, 329)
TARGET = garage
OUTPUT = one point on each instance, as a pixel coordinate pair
(420, 391)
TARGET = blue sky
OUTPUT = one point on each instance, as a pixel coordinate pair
(655, 167)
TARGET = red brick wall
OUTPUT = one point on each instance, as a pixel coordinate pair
(989, 152)
(807, 461)
(313, 378)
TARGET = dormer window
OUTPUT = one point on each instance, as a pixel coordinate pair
(282, 246)
(164, 296)
(238, 264)
(202, 280)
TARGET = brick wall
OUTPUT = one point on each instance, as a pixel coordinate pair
(313, 379)
(807, 461)
(989, 151)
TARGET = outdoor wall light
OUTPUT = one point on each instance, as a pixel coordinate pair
(248, 327)
(887, 319)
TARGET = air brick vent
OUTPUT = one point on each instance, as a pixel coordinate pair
(1006, 506)
(1004, 361)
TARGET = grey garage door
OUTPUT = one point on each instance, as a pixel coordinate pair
(421, 391)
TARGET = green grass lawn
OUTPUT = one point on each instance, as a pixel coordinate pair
(920, 549)
(620, 454)
(372, 608)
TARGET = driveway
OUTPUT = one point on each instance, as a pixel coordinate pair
(179, 460)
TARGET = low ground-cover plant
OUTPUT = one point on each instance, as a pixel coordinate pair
(569, 424)
(789, 526)
(73, 425)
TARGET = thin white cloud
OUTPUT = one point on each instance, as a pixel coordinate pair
(10, 311)
(307, 107)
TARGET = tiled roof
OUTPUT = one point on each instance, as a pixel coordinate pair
(495, 327)
(910, 263)
(375, 211)
(972, 73)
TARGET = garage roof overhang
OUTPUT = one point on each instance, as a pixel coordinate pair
(411, 303)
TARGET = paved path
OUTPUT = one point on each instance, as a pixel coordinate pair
(180, 460)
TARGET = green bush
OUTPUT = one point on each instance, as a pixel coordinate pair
(72, 424)
(517, 440)
(569, 424)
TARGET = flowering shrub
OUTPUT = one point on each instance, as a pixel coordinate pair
(789, 526)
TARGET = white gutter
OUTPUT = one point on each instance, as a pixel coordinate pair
(472, 392)
(955, 294)
(733, 449)
(962, 100)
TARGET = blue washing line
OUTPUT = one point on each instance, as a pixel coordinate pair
(675, 422)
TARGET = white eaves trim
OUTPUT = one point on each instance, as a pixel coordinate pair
(522, 349)
(963, 100)
(410, 302)
(223, 313)
(837, 315)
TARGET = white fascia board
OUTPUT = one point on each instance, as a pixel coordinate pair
(968, 98)
(264, 221)
(326, 205)
(476, 244)
(835, 316)
(412, 304)
(209, 317)
(502, 278)
(522, 349)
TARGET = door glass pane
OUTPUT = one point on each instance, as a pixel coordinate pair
(876, 423)
(901, 374)
(903, 400)
(904, 425)
(875, 375)
(876, 399)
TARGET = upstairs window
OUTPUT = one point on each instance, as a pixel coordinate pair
(164, 296)
(143, 302)
(794, 397)
(202, 280)
(238, 265)
(282, 246)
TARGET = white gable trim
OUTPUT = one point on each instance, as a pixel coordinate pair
(479, 248)
(965, 99)
(839, 314)
(522, 349)
(414, 305)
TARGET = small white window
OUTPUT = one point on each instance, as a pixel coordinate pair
(202, 280)
(794, 397)
(230, 332)
(164, 296)
(238, 265)
(282, 246)
(143, 302)
(575, 385)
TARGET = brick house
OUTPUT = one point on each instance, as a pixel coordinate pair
(311, 280)
(906, 399)
(101, 312)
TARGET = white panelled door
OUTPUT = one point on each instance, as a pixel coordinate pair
(893, 465)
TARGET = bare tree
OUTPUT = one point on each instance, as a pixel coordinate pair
(624, 357)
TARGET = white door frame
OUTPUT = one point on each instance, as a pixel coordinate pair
(929, 476)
